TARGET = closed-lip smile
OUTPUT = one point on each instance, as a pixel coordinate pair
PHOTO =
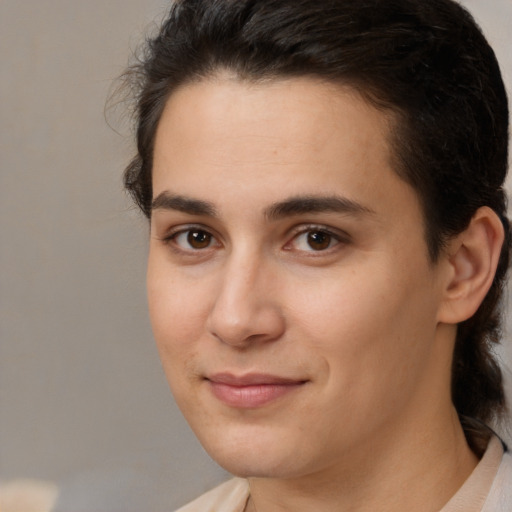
(251, 390)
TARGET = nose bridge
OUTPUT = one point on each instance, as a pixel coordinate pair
(245, 308)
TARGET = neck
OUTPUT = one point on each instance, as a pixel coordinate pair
(401, 470)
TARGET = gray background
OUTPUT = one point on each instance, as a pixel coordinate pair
(83, 400)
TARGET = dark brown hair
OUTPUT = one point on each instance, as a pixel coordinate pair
(426, 61)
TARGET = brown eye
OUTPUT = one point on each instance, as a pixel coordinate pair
(319, 240)
(314, 240)
(198, 239)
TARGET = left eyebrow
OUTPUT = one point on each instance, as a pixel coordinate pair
(315, 204)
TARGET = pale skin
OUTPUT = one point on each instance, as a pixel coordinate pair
(283, 244)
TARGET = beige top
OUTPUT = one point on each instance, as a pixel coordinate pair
(488, 489)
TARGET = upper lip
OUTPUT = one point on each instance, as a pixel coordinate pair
(252, 379)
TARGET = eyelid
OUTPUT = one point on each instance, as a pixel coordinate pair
(172, 233)
(341, 236)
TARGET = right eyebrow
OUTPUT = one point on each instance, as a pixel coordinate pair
(168, 201)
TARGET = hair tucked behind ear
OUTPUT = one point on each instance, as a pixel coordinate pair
(476, 375)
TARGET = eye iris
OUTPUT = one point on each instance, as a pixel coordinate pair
(318, 240)
(199, 239)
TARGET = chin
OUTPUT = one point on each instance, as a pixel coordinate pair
(254, 453)
(257, 466)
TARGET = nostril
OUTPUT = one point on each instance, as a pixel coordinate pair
(255, 325)
(244, 311)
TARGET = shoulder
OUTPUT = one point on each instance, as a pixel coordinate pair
(230, 496)
(500, 495)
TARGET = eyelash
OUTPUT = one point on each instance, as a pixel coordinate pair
(334, 239)
(171, 238)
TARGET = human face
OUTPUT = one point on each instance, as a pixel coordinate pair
(290, 290)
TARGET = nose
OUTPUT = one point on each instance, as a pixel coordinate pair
(246, 309)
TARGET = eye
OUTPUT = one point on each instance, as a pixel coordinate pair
(315, 240)
(192, 239)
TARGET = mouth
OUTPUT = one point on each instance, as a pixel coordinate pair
(252, 390)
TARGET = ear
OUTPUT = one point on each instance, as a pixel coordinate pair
(471, 258)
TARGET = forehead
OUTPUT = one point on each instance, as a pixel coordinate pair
(289, 137)
(226, 97)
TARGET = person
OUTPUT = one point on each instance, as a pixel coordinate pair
(328, 249)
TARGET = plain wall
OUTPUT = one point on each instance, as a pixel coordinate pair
(83, 399)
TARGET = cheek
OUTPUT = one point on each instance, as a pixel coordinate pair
(345, 308)
(177, 310)
(368, 325)
(177, 325)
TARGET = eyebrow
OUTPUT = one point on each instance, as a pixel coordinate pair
(298, 205)
(167, 201)
(315, 204)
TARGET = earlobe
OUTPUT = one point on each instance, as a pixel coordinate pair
(472, 258)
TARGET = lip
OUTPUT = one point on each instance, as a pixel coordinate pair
(251, 390)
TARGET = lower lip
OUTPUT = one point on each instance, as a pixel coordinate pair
(252, 396)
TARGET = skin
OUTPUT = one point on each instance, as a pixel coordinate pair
(339, 296)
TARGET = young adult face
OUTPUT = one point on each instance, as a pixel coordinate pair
(291, 294)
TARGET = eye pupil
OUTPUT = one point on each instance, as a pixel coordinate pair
(318, 240)
(199, 239)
